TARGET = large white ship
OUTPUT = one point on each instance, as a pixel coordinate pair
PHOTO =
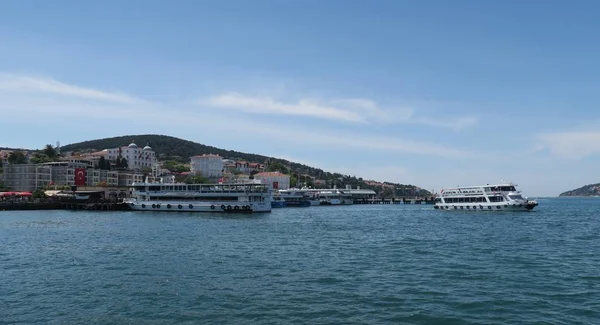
(497, 197)
(180, 197)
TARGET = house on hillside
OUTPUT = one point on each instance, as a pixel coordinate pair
(274, 180)
(207, 165)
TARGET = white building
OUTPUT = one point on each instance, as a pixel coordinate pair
(209, 166)
(274, 180)
(137, 158)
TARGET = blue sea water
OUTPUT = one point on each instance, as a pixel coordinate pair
(361, 264)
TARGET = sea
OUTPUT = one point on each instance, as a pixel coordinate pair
(358, 264)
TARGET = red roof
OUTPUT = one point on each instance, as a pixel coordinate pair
(270, 174)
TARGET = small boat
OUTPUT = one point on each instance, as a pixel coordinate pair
(497, 197)
(277, 202)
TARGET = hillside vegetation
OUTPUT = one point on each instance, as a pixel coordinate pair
(170, 148)
(587, 190)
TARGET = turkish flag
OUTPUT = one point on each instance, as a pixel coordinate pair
(80, 176)
(275, 184)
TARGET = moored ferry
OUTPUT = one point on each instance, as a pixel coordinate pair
(497, 197)
(295, 198)
(180, 197)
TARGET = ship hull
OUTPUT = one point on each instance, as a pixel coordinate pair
(195, 206)
(485, 207)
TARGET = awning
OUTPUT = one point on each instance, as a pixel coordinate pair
(15, 194)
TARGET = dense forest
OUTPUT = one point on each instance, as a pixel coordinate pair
(173, 149)
(587, 190)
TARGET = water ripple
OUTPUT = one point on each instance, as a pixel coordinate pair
(401, 264)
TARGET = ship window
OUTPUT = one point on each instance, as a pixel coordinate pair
(516, 197)
(508, 188)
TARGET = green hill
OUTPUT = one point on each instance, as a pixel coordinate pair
(588, 190)
(175, 149)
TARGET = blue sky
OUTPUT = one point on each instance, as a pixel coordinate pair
(431, 93)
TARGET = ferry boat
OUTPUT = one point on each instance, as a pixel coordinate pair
(320, 196)
(295, 198)
(497, 197)
(334, 197)
(180, 197)
(301, 194)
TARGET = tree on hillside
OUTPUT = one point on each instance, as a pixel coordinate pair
(101, 163)
(40, 158)
(195, 179)
(175, 166)
(50, 151)
(277, 167)
(179, 150)
(17, 158)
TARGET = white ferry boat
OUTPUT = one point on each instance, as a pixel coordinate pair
(320, 196)
(497, 197)
(334, 197)
(295, 197)
(180, 197)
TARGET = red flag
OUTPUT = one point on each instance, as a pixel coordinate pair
(80, 176)
(275, 184)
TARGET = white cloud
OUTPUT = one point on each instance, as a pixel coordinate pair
(571, 145)
(267, 105)
(67, 105)
(340, 109)
(24, 84)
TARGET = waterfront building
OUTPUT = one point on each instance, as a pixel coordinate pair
(274, 180)
(29, 177)
(128, 178)
(26, 177)
(209, 166)
(81, 173)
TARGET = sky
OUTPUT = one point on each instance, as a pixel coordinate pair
(430, 93)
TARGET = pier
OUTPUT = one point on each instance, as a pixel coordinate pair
(64, 205)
